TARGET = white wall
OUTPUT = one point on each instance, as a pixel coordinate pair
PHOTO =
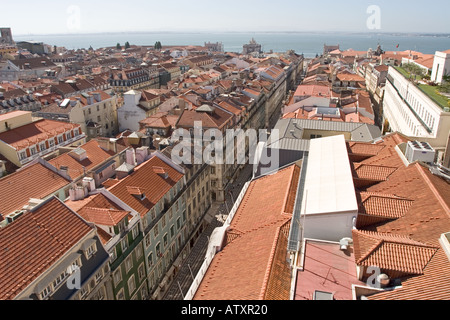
(130, 114)
(330, 227)
(441, 66)
(402, 118)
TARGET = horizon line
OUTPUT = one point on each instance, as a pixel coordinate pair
(376, 32)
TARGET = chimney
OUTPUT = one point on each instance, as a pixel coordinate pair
(78, 154)
(78, 193)
(89, 183)
(131, 156)
(141, 154)
(64, 170)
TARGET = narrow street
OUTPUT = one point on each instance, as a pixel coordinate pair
(219, 213)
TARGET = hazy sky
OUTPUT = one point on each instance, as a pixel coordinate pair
(88, 16)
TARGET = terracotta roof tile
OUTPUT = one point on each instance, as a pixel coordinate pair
(30, 134)
(46, 234)
(426, 219)
(392, 253)
(373, 172)
(34, 181)
(256, 230)
(95, 156)
(146, 179)
(103, 216)
(384, 205)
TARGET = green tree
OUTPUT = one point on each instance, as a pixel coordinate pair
(414, 70)
(158, 45)
(119, 47)
(127, 45)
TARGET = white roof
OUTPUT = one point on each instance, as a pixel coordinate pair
(329, 180)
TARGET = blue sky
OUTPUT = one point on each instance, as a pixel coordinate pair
(82, 16)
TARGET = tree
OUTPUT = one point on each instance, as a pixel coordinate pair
(158, 45)
(119, 47)
(127, 45)
(414, 69)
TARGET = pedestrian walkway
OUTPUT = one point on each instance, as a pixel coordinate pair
(192, 265)
(219, 212)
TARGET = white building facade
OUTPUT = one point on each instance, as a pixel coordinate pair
(412, 112)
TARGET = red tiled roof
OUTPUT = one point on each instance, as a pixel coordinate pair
(30, 134)
(34, 181)
(392, 253)
(378, 207)
(35, 242)
(103, 216)
(426, 219)
(313, 90)
(243, 269)
(95, 156)
(373, 172)
(145, 178)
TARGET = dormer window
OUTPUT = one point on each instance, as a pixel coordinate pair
(89, 248)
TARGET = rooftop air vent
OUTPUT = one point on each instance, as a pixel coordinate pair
(420, 151)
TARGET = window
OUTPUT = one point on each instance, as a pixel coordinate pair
(51, 143)
(128, 263)
(91, 251)
(138, 251)
(59, 279)
(150, 259)
(158, 250)
(89, 110)
(117, 276)
(178, 224)
(124, 244)
(165, 240)
(98, 108)
(98, 277)
(163, 222)
(172, 231)
(135, 231)
(46, 292)
(33, 151)
(99, 119)
(22, 155)
(42, 147)
(68, 136)
(148, 240)
(120, 295)
(153, 214)
(113, 255)
(83, 293)
(156, 231)
(141, 272)
(60, 139)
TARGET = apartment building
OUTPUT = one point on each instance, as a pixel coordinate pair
(24, 141)
(155, 189)
(65, 258)
(137, 106)
(411, 110)
(120, 232)
(94, 111)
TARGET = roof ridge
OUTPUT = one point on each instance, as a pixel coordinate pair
(433, 189)
(271, 259)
